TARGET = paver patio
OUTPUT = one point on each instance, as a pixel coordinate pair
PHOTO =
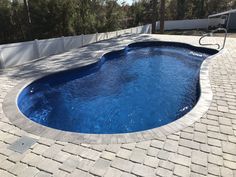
(206, 148)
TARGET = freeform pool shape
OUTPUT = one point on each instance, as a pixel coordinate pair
(144, 86)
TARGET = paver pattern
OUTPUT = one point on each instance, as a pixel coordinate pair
(206, 148)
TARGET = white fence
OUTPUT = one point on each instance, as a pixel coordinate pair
(190, 24)
(18, 53)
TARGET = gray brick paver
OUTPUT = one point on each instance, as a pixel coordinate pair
(90, 154)
(151, 161)
(217, 135)
(199, 169)
(225, 121)
(108, 155)
(61, 156)
(124, 153)
(180, 159)
(164, 155)
(6, 174)
(228, 130)
(15, 157)
(100, 167)
(127, 175)
(186, 135)
(2, 158)
(200, 137)
(113, 172)
(129, 146)
(17, 168)
(171, 145)
(138, 155)
(199, 158)
(214, 142)
(229, 157)
(213, 169)
(143, 145)
(163, 172)
(122, 164)
(214, 159)
(225, 172)
(73, 149)
(200, 127)
(48, 165)
(52, 151)
(6, 165)
(45, 174)
(193, 174)
(70, 164)
(166, 164)
(213, 128)
(39, 149)
(85, 165)
(189, 144)
(99, 147)
(184, 151)
(152, 152)
(79, 173)
(142, 170)
(216, 151)
(229, 148)
(46, 141)
(32, 159)
(230, 164)
(182, 171)
(30, 171)
(157, 144)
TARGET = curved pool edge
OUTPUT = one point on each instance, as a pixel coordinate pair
(12, 112)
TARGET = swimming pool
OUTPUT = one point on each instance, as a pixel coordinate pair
(144, 86)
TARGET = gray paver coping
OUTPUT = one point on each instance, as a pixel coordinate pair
(12, 111)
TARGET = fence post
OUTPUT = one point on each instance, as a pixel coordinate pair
(116, 33)
(150, 29)
(2, 64)
(82, 39)
(63, 44)
(96, 36)
(37, 48)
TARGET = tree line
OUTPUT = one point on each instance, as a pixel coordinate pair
(23, 20)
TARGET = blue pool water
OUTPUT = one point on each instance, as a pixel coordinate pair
(144, 86)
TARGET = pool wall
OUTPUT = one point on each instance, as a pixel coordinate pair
(17, 118)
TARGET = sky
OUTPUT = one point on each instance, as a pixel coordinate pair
(127, 1)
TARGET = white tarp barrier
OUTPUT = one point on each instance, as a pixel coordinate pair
(49, 47)
(101, 36)
(111, 34)
(72, 42)
(146, 29)
(120, 32)
(89, 38)
(138, 30)
(18, 53)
